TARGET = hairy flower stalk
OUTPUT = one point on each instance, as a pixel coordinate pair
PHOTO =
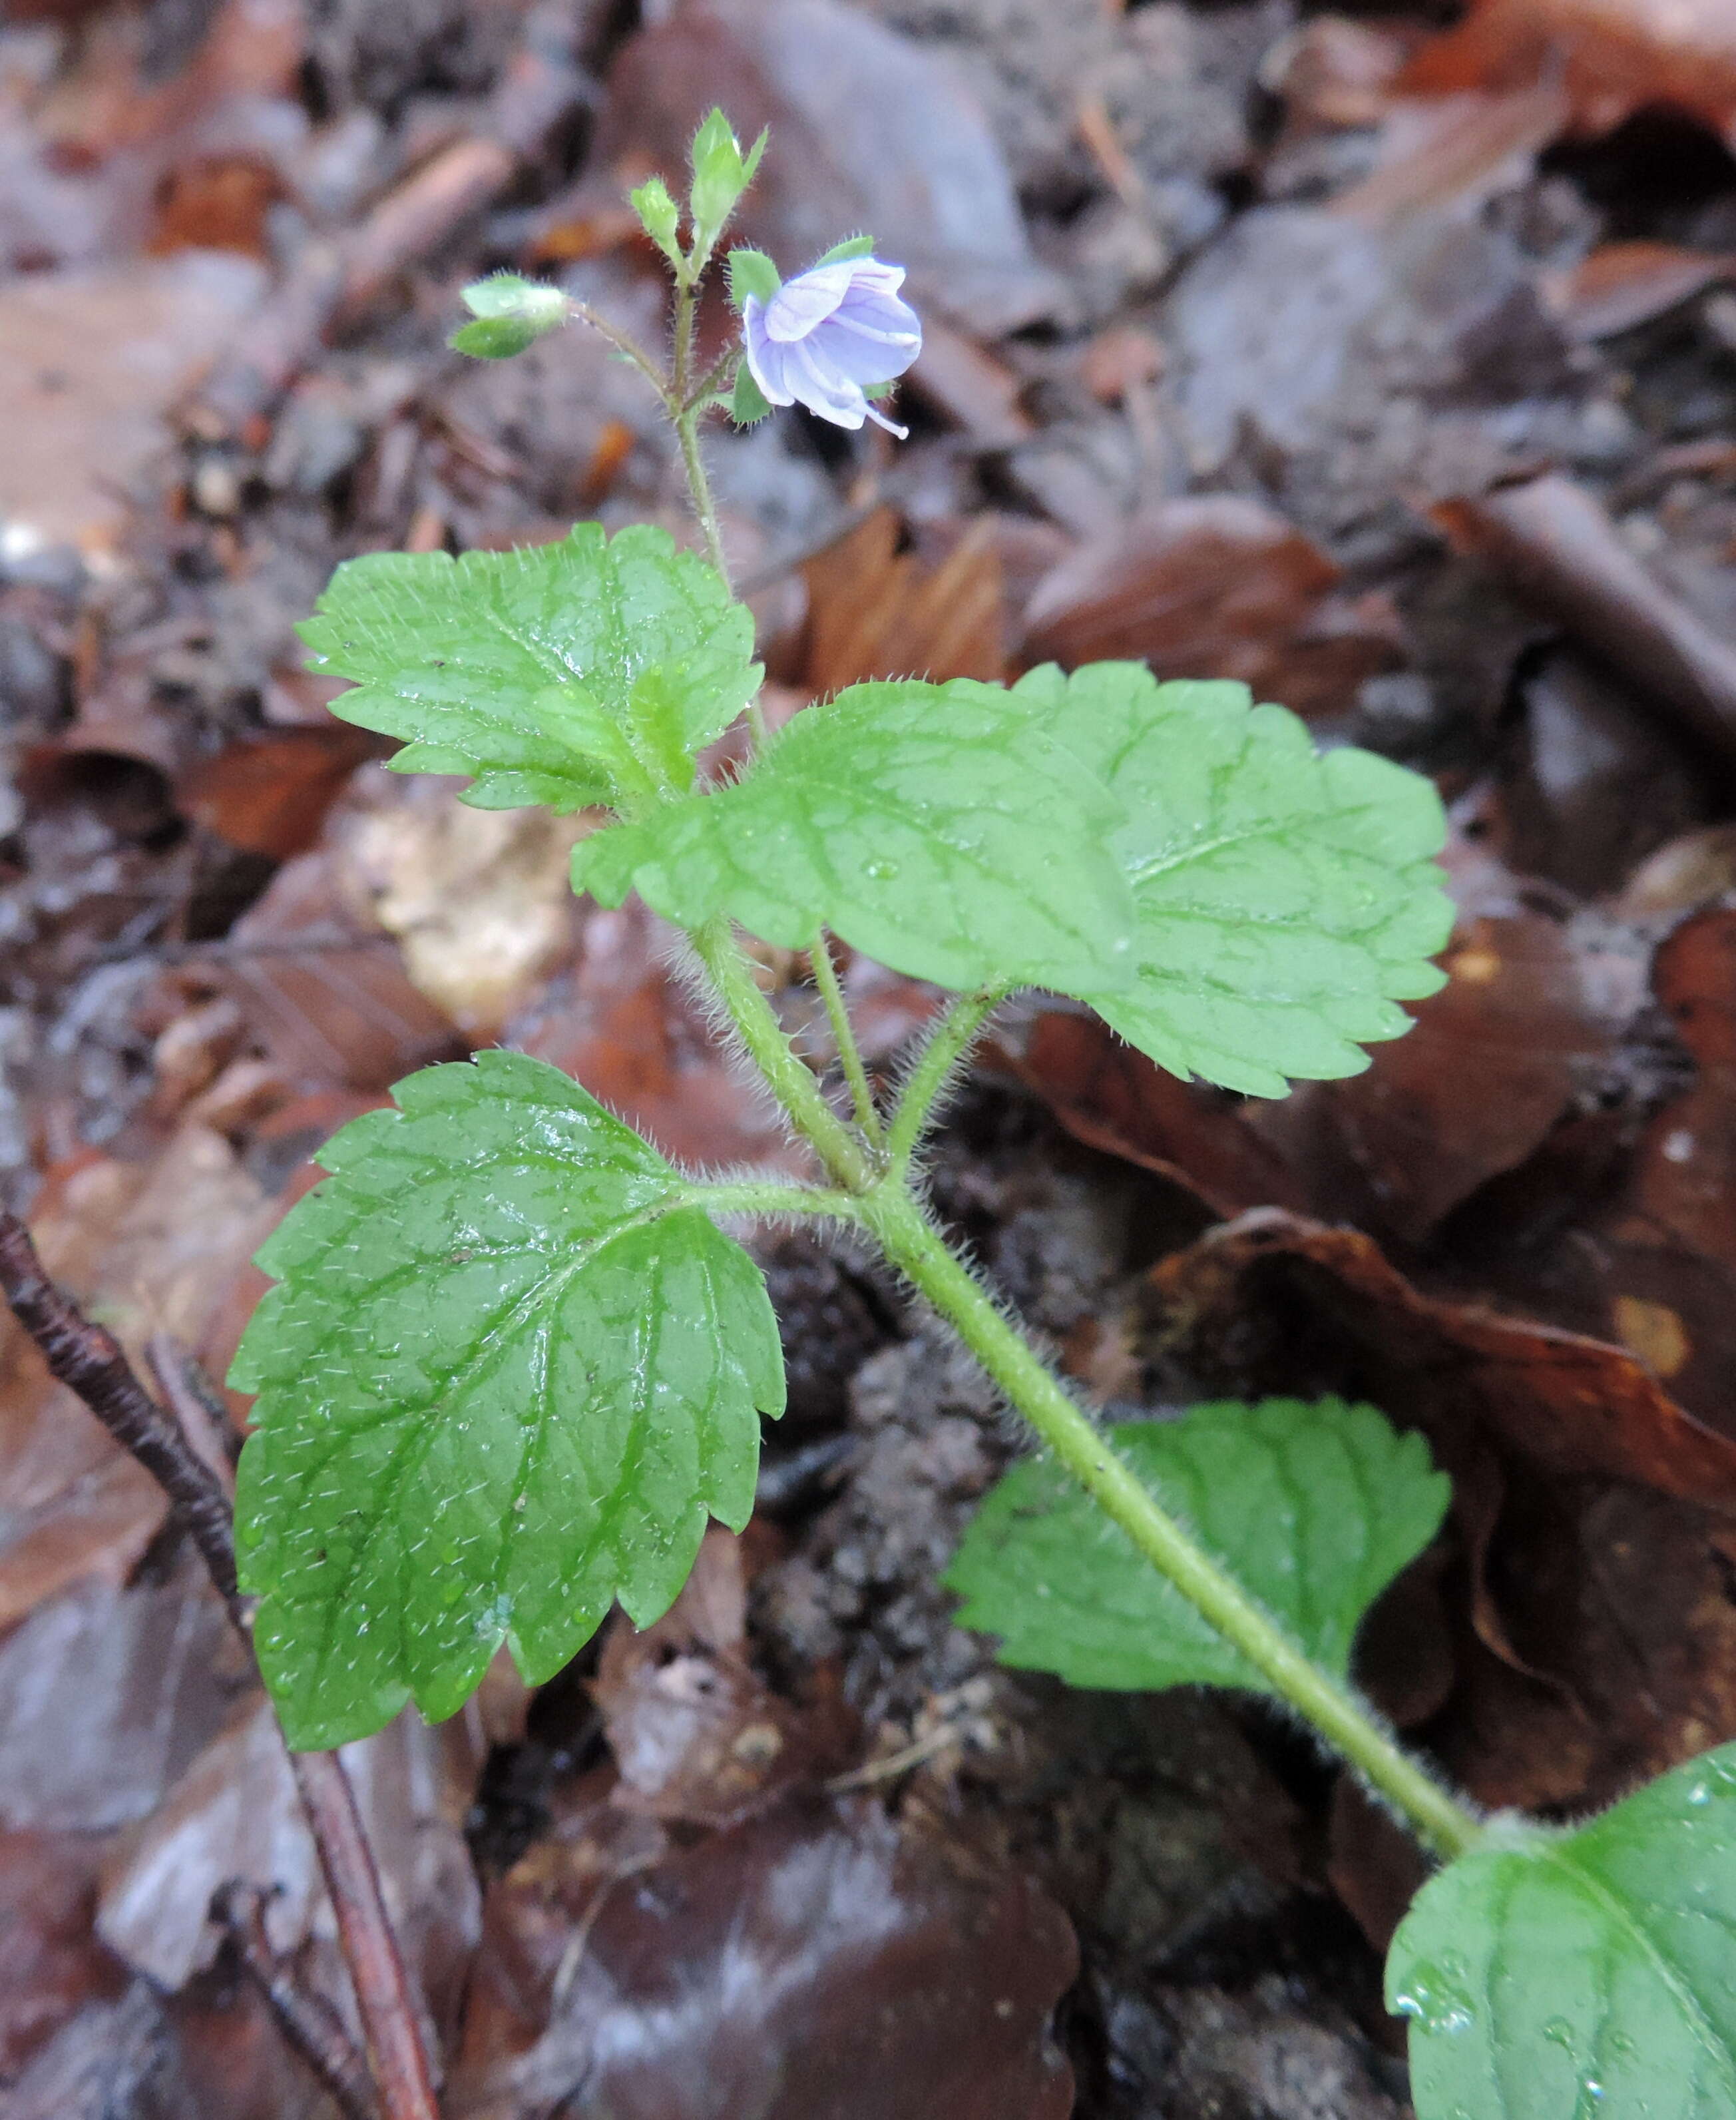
(831, 335)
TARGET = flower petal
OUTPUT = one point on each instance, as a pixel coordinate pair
(823, 390)
(875, 309)
(874, 275)
(767, 362)
(829, 331)
(864, 357)
(806, 300)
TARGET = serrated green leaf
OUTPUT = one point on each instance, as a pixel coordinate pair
(1312, 1507)
(508, 1369)
(749, 404)
(1288, 899)
(940, 828)
(1589, 1975)
(590, 671)
(750, 271)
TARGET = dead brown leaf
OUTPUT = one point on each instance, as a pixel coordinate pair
(90, 362)
(269, 794)
(1553, 541)
(1620, 284)
(875, 612)
(803, 1965)
(105, 1696)
(50, 1963)
(1611, 56)
(699, 1738)
(1109, 1095)
(233, 1816)
(1213, 585)
(1597, 1639)
(1528, 1025)
(147, 1248)
(1565, 1405)
(1452, 150)
(322, 990)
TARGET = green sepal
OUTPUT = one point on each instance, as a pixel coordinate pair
(852, 246)
(493, 338)
(509, 1368)
(748, 403)
(1312, 1507)
(720, 175)
(511, 313)
(659, 215)
(509, 294)
(750, 271)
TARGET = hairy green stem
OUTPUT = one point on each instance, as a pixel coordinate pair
(792, 1082)
(749, 1197)
(843, 1035)
(917, 1249)
(686, 414)
(876, 1190)
(622, 343)
(949, 1041)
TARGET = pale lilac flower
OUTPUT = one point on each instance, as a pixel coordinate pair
(830, 331)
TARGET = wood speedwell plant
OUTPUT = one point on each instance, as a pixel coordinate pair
(514, 1360)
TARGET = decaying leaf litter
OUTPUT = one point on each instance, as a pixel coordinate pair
(1385, 366)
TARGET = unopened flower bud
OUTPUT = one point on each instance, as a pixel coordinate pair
(510, 314)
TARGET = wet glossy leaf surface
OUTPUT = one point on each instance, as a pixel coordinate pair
(941, 829)
(508, 1371)
(1313, 1508)
(1559, 1976)
(1286, 902)
(558, 674)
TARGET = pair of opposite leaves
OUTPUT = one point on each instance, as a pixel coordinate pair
(510, 1364)
(1235, 905)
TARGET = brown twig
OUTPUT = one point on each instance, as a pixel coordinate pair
(382, 1995)
(194, 1401)
(307, 2020)
(90, 1361)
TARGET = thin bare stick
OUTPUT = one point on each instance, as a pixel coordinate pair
(307, 2020)
(382, 1997)
(90, 1362)
(194, 1401)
